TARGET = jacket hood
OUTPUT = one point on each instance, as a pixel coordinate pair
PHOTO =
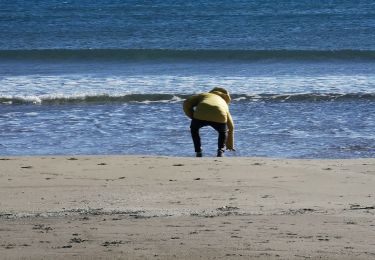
(222, 92)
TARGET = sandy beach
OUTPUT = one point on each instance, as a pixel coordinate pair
(134, 207)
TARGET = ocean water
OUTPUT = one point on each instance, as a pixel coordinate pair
(109, 77)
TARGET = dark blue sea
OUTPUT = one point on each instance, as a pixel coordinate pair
(109, 77)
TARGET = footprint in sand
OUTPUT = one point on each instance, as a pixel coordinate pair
(257, 164)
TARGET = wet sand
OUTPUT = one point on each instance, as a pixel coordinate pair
(134, 207)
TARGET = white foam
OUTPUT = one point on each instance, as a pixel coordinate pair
(37, 87)
(31, 114)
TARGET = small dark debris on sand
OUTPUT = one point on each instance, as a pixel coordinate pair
(42, 227)
(77, 240)
(227, 208)
(113, 243)
(359, 207)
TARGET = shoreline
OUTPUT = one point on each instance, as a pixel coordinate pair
(95, 207)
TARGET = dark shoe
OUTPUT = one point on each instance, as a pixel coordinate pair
(198, 154)
(220, 153)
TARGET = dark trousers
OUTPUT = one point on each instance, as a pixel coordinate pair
(197, 124)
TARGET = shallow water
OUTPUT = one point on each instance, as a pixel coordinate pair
(323, 129)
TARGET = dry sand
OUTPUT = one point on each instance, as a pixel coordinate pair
(119, 207)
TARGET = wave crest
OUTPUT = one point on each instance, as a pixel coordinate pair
(181, 55)
(172, 98)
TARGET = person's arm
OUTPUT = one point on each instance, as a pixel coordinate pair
(230, 139)
(189, 105)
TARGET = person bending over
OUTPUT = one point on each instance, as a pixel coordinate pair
(211, 109)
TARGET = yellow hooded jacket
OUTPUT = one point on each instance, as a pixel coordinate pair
(212, 106)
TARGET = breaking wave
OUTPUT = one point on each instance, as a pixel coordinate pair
(172, 98)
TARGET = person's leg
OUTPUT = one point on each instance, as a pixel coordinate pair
(194, 129)
(221, 128)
